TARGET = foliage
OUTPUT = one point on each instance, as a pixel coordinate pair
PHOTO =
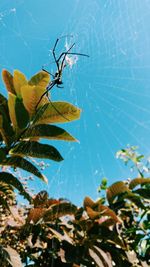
(112, 231)
(22, 125)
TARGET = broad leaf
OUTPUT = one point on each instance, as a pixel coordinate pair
(37, 150)
(134, 198)
(11, 106)
(143, 192)
(19, 162)
(116, 189)
(8, 80)
(58, 210)
(31, 95)
(22, 115)
(5, 123)
(101, 258)
(41, 78)
(88, 202)
(106, 211)
(48, 132)
(19, 80)
(6, 130)
(138, 181)
(35, 215)
(10, 179)
(59, 112)
(92, 213)
(14, 258)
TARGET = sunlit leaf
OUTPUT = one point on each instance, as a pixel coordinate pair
(61, 237)
(88, 202)
(92, 213)
(19, 80)
(37, 150)
(101, 258)
(22, 116)
(59, 112)
(138, 181)
(19, 162)
(8, 80)
(41, 78)
(31, 95)
(106, 211)
(36, 214)
(10, 179)
(48, 132)
(11, 106)
(116, 189)
(14, 258)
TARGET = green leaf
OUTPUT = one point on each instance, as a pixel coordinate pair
(19, 162)
(134, 198)
(59, 112)
(41, 78)
(31, 95)
(6, 129)
(19, 80)
(2, 154)
(10, 179)
(138, 181)
(37, 150)
(49, 132)
(143, 192)
(22, 115)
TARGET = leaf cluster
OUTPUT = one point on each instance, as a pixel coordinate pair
(112, 231)
(23, 124)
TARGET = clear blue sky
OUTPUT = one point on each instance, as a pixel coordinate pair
(112, 87)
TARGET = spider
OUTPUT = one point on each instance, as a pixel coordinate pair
(61, 62)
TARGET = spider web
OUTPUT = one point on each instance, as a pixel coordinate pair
(112, 87)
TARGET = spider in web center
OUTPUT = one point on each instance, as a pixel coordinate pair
(61, 62)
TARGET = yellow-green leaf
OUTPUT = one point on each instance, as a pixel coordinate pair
(59, 112)
(11, 106)
(31, 96)
(19, 80)
(8, 80)
(41, 78)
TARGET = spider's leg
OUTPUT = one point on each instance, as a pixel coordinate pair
(78, 54)
(58, 111)
(66, 52)
(59, 86)
(54, 54)
(48, 72)
(48, 88)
